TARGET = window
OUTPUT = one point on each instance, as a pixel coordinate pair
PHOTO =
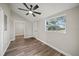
(56, 24)
(5, 22)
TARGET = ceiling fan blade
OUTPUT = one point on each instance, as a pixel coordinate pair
(22, 9)
(31, 7)
(25, 5)
(37, 12)
(27, 13)
(35, 7)
(33, 14)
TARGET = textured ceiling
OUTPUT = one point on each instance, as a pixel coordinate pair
(47, 9)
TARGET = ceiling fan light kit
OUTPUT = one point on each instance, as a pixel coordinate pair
(31, 10)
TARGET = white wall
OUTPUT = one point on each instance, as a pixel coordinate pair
(1, 31)
(12, 27)
(28, 32)
(66, 43)
(35, 29)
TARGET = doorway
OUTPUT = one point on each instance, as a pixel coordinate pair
(19, 28)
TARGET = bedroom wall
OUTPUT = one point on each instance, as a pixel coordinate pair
(68, 42)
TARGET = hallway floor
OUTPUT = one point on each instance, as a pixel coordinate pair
(30, 47)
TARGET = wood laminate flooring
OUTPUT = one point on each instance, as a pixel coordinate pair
(30, 47)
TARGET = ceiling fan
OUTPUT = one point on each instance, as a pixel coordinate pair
(31, 9)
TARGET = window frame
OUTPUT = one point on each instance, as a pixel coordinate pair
(56, 17)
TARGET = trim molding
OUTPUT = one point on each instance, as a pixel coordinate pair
(66, 54)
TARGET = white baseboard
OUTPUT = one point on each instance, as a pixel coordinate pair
(66, 54)
(28, 36)
(13, 39)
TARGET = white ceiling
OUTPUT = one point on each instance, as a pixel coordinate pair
(47, 9)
